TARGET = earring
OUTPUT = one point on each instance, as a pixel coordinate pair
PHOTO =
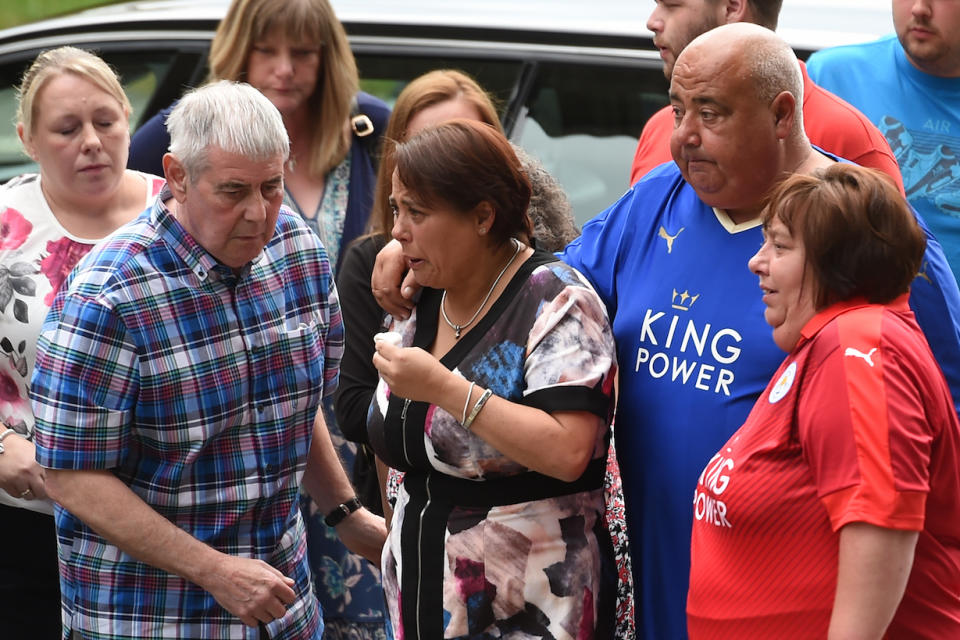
(483, 230)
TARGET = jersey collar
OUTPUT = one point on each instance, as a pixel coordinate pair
(819, 321)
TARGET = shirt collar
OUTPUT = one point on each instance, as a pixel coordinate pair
(821, 319)
(807, 82)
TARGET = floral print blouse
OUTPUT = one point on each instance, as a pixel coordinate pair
(36, 254)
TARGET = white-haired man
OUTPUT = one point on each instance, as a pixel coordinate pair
(830, 123)
(177, 389)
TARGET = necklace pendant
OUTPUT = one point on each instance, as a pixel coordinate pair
(457, 330)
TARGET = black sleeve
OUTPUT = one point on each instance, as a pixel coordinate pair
(362, 318)
(149, 143)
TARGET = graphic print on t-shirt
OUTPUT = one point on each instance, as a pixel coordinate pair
(928, 161)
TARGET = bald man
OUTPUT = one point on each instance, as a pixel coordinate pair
(669, 259)
(832, 124)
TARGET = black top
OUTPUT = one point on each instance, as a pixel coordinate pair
(362, 318)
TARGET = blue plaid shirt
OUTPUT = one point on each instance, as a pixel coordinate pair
(198, 388)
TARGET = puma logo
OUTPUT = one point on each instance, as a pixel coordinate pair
(923, 272)
(669, 238)
(860, 354)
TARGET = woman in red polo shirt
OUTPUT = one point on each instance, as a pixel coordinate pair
(834, 511)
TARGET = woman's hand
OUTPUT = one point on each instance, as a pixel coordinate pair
(19, 470)
(411, 373)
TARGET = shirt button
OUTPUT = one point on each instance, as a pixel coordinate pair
(271, 468)
(261, 408)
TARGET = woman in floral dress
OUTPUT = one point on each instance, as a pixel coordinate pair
(497, 406)
(74, 121)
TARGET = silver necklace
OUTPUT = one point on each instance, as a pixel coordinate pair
(443, 299)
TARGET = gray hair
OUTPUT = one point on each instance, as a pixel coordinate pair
(232, 116)
(771, 63)
(774, 68)
(549, 209)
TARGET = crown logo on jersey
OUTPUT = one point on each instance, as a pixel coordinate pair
(683, 301)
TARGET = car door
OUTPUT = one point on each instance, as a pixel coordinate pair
(153, 73)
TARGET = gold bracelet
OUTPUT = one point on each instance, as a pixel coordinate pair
(476, 408)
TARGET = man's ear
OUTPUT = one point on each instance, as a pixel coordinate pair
(176, 176)
(27, 142)
(736, 11)
(784, 109)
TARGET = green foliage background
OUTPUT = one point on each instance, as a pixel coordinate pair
(14, 12)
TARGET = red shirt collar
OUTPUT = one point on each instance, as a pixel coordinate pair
(817, 322)
(807, 82)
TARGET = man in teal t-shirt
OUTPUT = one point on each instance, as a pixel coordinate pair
(909, 86)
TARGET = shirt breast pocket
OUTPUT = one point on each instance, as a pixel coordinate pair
(300, 355)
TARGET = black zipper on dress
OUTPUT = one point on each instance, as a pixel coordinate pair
(423, 512)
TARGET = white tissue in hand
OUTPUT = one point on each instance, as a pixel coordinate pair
(392, 337)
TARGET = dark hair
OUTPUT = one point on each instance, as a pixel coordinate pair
(859, 235)
(463, 163)
(766, 12)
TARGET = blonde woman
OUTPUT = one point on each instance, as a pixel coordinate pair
(74, 121)
(296, 53)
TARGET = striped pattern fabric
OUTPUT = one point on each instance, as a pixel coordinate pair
(198, 388)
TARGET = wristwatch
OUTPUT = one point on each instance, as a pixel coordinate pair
(341, 511)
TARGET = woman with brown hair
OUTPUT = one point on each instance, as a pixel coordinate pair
(297, 54)
(834, 511)
(428, 99)
(496, 406)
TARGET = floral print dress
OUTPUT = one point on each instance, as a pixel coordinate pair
(480, 546)
(36, 254)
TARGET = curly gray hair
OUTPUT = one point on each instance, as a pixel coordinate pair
(549, 209)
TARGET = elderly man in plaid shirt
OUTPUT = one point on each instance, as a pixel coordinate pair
(177, 388)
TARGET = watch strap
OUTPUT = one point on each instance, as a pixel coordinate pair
(341, 511)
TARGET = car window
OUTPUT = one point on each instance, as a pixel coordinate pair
(582, 122)
(13, 160)
(385, 75)
(140, 75)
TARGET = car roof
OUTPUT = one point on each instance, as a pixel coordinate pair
(609, 22)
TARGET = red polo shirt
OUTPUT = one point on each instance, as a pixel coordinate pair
(857, 425)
